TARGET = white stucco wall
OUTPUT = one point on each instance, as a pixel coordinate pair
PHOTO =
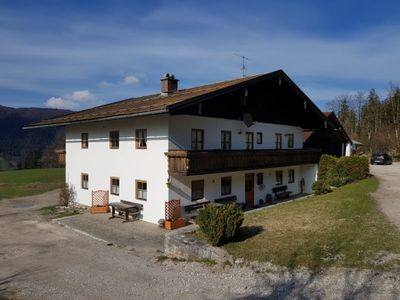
(181, 126)
(168, 132)
(180, 187)
(127, 162)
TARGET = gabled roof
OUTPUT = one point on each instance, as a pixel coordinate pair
(157, 103)
(145, 105)
(332, 116)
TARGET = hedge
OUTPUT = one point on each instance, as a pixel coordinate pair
(335, 172)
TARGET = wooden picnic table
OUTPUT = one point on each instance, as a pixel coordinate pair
(125, 208)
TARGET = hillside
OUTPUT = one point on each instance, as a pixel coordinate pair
(24, 148)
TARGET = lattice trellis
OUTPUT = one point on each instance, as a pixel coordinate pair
(99, 198)
(172, 209)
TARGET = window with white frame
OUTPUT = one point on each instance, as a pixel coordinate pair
(114, 186)
(84, 181)
(141, 190)
(141, 138)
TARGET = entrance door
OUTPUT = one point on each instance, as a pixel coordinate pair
(249, 189)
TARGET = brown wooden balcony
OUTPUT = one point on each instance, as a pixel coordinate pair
(186, 163)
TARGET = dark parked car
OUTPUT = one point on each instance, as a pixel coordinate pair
(381, 159)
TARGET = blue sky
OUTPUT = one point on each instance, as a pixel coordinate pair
(78, 54)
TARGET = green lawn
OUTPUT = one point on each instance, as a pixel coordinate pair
(340, 229)
(30, 182)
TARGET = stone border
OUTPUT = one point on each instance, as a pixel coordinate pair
(181, 243)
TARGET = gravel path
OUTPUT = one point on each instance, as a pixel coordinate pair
(43, 260)
(388, 193)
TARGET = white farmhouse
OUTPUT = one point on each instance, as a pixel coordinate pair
(236, 139)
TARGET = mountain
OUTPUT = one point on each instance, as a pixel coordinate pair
(24, 148)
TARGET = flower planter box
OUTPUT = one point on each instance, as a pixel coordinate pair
(174, 224)
(99, 209)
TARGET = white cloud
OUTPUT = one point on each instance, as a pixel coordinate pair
(128, 80)
(70, 101)
(133, 80)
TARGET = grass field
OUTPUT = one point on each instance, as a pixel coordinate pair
(340, 229)
(30, 182)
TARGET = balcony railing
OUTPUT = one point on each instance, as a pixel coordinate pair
(186, 163)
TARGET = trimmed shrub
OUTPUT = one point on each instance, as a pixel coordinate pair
(326, 164)
(355, 167)
(220, 223)
(321, 187)
(337, 172)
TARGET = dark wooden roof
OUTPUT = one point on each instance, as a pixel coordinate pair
(157, 103)
(150, 104)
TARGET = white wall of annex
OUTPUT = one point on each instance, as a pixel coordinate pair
(180, 127)
(127, 162)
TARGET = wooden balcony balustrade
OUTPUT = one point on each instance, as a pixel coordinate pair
(186, 162)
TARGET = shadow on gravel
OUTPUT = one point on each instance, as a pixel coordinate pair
(348, 285)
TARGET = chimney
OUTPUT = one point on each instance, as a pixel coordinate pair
(168, 84)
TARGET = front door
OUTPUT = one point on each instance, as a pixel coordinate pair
(249, 189)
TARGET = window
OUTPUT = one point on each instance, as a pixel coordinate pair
(249, 141)
(226, 185)
(278, 141)
(291, 175)
(290, 141)
(114, 139)
(84, 181)
(84, 140)
(260, 178)
(141, 138)
(259, 138)
(279, 177)
(197, 139)
(114, 186)
(141, 190)
(226, 140)
(197, 189)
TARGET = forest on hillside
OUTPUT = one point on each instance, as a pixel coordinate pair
(371, 119)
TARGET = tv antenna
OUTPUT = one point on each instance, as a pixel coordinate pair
(243, 67)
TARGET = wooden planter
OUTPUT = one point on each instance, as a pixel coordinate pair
(99, 209)
(174, 224)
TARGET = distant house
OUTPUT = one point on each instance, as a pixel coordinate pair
(331, 139)
(238, 138)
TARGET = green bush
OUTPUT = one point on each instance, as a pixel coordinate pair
(220, 223)
(337, 172)
(326, 164)
(321, 187)
(356, 167)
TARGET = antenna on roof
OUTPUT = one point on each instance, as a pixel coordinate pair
(243, 67)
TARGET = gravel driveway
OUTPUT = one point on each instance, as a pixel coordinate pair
(388, 193)
(43, 260)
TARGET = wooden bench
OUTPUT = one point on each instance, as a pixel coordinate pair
(281, 192)
(126, 209)
(192, 208)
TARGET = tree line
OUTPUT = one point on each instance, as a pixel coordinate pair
(371, 119)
